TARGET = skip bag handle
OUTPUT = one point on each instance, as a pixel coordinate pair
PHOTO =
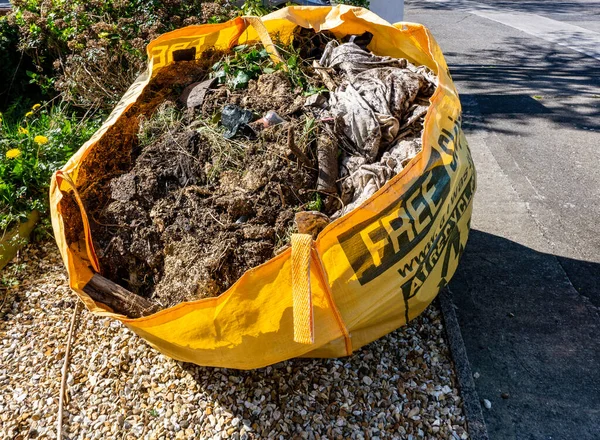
(302, 244)
(304, 324)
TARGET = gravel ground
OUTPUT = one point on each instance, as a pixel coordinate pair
(402, 386)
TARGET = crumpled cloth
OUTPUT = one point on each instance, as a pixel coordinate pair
(377, 103)
(376, 95)
(363, 179)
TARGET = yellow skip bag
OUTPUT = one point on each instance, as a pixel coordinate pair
(367, 274)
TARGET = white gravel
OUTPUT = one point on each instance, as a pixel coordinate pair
(402, 386)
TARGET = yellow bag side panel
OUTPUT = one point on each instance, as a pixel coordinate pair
(250, 326)
(394, 251)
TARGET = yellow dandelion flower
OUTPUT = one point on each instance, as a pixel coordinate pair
(35, 107)
(28, 114)
(40, 140)
(23, 130)
(14, 153)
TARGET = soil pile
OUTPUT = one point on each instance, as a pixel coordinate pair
(220, 171)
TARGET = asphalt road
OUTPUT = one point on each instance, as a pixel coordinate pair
(528, 289)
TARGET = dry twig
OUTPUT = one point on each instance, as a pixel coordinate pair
(292, 146)
(325, 77)
(63, 382)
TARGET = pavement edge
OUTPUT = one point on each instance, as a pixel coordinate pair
(471, 403)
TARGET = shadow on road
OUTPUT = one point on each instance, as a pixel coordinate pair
(532, 332)
(482, 108)
(523, 80)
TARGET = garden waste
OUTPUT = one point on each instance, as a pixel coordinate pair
(292, 186)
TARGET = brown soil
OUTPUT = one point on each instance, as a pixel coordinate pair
(195, 211)
(180, 213)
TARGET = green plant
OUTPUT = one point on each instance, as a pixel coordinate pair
(244, 64)
(316, 204)
(13, 67)
(45, 83)
(10, 276)
(32, 147)
(296, 68)
(249, 62)
(95, 48)
(308, 133)
(361, 3)
(254, 7)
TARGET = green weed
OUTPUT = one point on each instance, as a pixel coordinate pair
(10, 275)
(244, 64)
(254, 7)
(32, 147)
(316, 204)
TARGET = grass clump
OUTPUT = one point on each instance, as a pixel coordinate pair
(166, 118)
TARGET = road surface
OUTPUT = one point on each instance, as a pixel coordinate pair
(528, 289)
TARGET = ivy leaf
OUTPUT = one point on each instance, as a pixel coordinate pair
(240, 80)
(220, 75)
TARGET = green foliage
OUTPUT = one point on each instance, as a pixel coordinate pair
(244, 64)
(316, 204)
(254, 7)
(10, 275)
(249, 62)
(361, 3)
(13, 66)
(95, 48)
(90, 51)
(32, 147)
(308, 134)
(43, 82)
(296, 66)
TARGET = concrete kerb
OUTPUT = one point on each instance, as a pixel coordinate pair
(471, 402)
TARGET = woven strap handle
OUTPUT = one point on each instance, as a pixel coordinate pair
(304, 325)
